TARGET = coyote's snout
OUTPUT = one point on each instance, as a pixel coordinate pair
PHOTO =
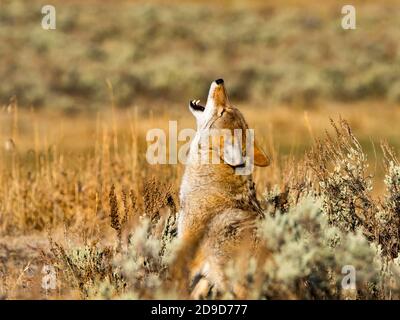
(219, 207)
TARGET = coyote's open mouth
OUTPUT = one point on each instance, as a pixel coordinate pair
(195, 105)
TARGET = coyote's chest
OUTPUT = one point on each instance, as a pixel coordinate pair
(207, 190)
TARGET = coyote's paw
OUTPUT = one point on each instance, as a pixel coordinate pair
(202, 290)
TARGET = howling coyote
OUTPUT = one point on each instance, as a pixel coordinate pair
(219, 207)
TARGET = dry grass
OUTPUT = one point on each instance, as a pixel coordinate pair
(77, 193)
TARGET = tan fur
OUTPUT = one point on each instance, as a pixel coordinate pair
(218, 207)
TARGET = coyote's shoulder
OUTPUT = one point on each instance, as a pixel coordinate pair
(218, 206)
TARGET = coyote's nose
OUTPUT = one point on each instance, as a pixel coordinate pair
(217, 94)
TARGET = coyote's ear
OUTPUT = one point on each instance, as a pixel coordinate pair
(260, 158)
(231, 151)
(233, 154)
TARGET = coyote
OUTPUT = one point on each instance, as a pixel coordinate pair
(219, 208)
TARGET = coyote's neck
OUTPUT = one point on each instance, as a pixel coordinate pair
(209, 189)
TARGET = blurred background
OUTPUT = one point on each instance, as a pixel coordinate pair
(289, 66)
(294, 52)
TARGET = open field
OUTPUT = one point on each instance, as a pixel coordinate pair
(296, 54)
(57, 173)
(79, 201)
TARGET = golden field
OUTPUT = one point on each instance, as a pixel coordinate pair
(76, 191)
(57, 173)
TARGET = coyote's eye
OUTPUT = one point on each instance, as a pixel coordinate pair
(195, 105)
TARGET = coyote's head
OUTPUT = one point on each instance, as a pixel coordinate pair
(227, 126)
